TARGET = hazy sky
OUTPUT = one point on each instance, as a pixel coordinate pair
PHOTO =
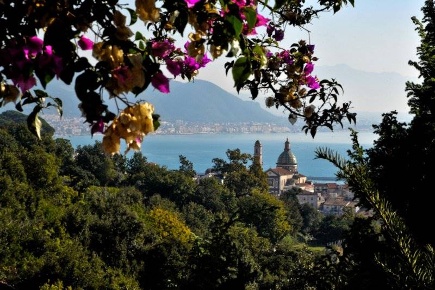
(373, 36)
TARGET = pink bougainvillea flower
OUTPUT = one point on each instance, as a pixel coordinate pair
(309, 67)
(204, 61)
(57, 67)
(33, 47)
(240, 3)
(269, 30)
(186, 46)
(246, 30)
(174, 67)
(191, 64)
(191, 3)
(286, 57)
(278, 35)
(261, 20)
(49, 61)
(20, 62)
(25, 83)
(310, 47)
(97, 127)
(162, 48)
(160, 82)
(85, 43)
(120, 74)
(312, 82)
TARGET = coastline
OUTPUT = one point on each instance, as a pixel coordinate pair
(201, 149)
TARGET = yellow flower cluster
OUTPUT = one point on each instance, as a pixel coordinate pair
(196, 46)
(309, 111)
(131, 125)
(216, 51)
(8, 93)
(289, 95)
(125, 78)
(122, 31)
(147, 10)
(111, 54)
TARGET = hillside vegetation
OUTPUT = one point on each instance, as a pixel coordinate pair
(84, 220)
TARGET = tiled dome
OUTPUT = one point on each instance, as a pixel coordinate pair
(286, 157)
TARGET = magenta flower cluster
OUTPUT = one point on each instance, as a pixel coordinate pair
(20, 59)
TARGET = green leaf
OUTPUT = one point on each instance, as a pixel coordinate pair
(29, 100)
(181, 22)
(228, 66)
(156, 122)
(67, 74)
(292, 118)
(58, 101)
(279, 4)
(313, 131)
(241, 71)
(251, 16)
(260, 55)
(254, 92)
(44, 76)
(236, 23)
(139, 36)
(58, 105)
(133, 16)
(142, 45)
(41, 94)
(33, 122)
(19, 107)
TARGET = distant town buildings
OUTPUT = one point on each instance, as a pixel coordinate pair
(77, 126)
(329, 198)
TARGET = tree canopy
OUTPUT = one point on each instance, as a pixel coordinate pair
(112, 51)
(99, 221)
(68, 224)
(394, 177)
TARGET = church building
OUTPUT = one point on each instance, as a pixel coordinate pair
(285, 174)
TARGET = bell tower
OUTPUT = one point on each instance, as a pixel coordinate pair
(258, 153)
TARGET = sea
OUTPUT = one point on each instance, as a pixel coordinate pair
(201, 149)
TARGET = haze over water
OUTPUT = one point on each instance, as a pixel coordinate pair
(200, 149)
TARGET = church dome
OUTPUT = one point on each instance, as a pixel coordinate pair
(286, 158)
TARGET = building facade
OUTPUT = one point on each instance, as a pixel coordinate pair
(328, 198)
(285, 174)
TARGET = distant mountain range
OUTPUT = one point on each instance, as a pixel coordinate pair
(204, 101)
(368, 91)
(198, 101)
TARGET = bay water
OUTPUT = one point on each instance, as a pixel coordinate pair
(200, 149)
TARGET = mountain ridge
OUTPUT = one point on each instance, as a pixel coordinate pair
(207, 102)
(204, 101)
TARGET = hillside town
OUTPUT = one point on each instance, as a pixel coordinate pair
(329, 198)
(75, 126)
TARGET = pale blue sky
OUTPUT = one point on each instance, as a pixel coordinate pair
(373, 36)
